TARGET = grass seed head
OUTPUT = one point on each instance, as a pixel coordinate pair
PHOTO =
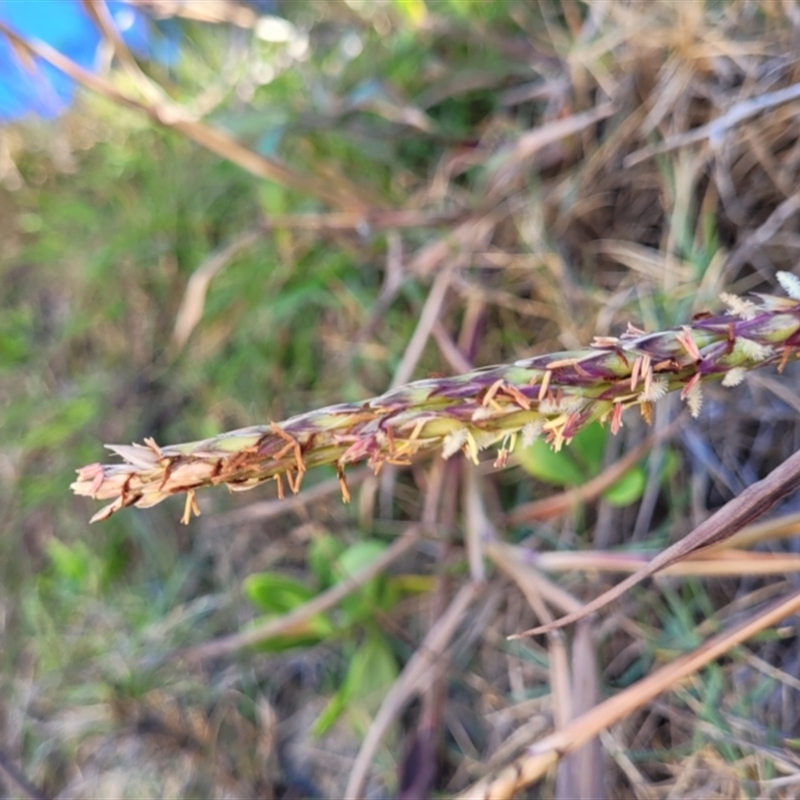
(553, 395)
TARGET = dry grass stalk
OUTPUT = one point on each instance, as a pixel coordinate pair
(727, 561)
(418, 672)
(552, 395)
(754, 501)
(545, 754)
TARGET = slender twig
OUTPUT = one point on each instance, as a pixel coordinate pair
(765, 232)
(706, 562)
(477, 527)
(562, 502)
(269, 509)
(427, 319)
(194, 297)
(513, 160)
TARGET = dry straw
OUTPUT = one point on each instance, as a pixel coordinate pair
(549, 395)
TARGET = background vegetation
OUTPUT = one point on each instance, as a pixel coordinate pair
(427, 185)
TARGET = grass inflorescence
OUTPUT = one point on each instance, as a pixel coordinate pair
(552, 395)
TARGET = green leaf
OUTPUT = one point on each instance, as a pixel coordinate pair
(60, 421)
(280, 594)
(548, 466)
(415, 11)
(372, 670)
(273, 197)
(16, 332)
(588, 446)
(357, 557)
(361, 605)
(322, 555)
(273, 591)
(670, 464)
(413, 584)
(628, 489)
(331, 712)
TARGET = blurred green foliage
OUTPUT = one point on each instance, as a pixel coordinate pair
(371, 664)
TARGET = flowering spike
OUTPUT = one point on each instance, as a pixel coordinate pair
(555, 394)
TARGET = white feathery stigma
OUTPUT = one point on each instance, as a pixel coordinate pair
(738, 306)
(565, 405)
(482, 412)
(790, 284)
(754, 351)
(694, 399)
(531, 431)
(657, 389)
(733, 377)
